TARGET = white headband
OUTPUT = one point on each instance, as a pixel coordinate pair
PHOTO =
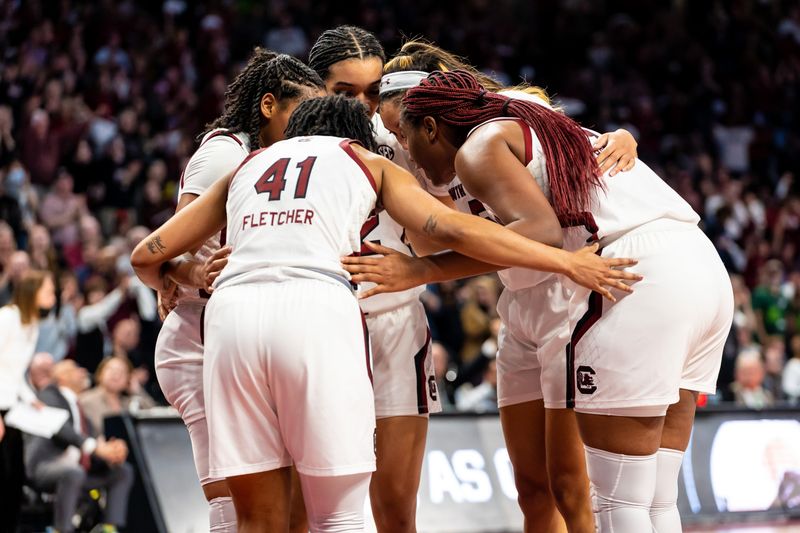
(405, 79)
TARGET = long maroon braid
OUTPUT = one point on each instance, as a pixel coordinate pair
(456, 98)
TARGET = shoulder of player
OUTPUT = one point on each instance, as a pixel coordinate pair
(223, 141)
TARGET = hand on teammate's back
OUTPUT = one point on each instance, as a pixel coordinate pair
(616, 151)
(587, 268)
(393, 272)
(214, 266)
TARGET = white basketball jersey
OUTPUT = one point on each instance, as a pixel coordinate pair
(220, 152)
(626, 201)
(297, 207)
(383, 229)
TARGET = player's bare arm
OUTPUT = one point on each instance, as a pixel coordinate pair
(187, 230)
(413, 208)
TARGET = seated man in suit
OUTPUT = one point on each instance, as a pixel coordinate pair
(75, 459)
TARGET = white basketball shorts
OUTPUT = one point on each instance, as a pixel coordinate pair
(665, 336)
(287, 380)
(405, 382)
(532, 343)
(179, 368)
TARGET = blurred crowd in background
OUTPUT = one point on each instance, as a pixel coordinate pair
(102, 103)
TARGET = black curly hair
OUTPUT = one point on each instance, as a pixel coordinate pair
(337, 116)
(341, 43)
(266, 72)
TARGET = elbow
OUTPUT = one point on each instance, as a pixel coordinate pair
(553, 237)
(140, 259)
(448, 233)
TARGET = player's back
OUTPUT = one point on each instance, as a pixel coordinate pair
(296, 207)
(631, 199)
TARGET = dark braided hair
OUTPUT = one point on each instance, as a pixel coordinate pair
(457, 99)
(265, 72)
(337, 116)
(341, 43)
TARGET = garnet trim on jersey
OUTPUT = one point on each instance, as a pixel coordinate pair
(422, 379)
(250, 156)
(526, 134)
(589, 318)
(219, 133)
(367, 352)
(345, 144)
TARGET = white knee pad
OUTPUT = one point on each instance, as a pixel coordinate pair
(335, 504)
(622, 490)
(664, 510)
(222, 515)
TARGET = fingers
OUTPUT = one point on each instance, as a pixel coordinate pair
(607, 159)
(622, 274)
(378, 249)
(620, 262)
(360, 260)
(363, 269)
(601, 142)
(614, 284)
(592, 248)
(377, 289)
(606, 293)
(225, 251)
(366, 277)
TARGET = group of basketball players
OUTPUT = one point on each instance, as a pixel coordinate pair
(598, 367)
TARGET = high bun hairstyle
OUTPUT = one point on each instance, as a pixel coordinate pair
(337, 116)
(458, 100)
(427, 57)
(265, 72)
(342, 43)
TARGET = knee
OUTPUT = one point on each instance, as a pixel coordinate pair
(569, 488)
(74, 477)
(532, 489)
(394, 506)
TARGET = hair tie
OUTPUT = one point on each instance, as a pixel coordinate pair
(504, 110)
(480, 98)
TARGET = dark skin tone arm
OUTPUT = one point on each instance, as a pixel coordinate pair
(486, 241)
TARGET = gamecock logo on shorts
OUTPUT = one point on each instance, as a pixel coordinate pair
(386, 151)
(585, 378)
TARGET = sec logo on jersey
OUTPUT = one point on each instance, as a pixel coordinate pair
(386, 151)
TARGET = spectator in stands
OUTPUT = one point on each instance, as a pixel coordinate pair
(116, 392)
(58, 330)
(770, 302)
(40, 372)
(78, 458)
(791, 374)
(41, 251)
(483, 398)
(480, 306)
(444, 376)
(61, 211)
(748, 389)
(93, 320)
(34, 292)
(15, 269)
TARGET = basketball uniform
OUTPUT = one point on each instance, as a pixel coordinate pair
(405, 383)
(533, 308)
(286, 375)
(179, 348)
(632, 357)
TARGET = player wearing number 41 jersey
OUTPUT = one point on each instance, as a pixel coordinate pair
(286, 372)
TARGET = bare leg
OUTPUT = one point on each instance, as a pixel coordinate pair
(298, 521)
(262, 501)
(393, 490)
(524, 432)
(566, 468)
